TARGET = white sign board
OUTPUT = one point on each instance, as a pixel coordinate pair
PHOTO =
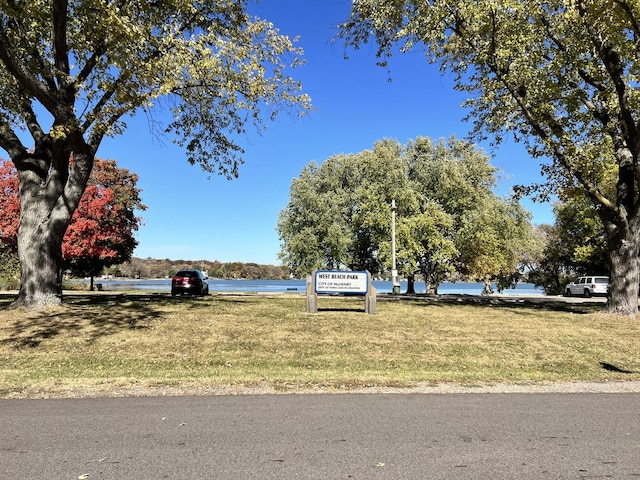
(336, 281)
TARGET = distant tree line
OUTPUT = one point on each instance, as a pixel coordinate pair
(166, 268)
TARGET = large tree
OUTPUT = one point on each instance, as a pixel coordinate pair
(492, 242)
(71, 71)
(339, 212)
(449, 218)
(101, 231)
(458, 176)
(562, 77)
(426, 245)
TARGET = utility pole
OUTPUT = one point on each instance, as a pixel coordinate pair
(395, 285)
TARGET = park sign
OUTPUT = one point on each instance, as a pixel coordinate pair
(332, 281)
(340, 282)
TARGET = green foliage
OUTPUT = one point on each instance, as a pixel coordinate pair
(549, 72)
(72, 72)
(544, 266)
(448, 218)
(91, 63)
(9, 267)
(574, 246)
(582, 235)
(426, 245)
(492, 242)
(459, 178)
(560, 77)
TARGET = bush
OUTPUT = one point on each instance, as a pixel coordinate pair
(9, 268)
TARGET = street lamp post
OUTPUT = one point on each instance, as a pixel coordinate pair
(395, 285)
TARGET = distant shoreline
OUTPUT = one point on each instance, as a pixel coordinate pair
(272, 286)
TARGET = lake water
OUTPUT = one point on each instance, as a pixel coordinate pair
(279, 286)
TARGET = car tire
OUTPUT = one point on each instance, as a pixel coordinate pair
(587, 293)
(567, 292)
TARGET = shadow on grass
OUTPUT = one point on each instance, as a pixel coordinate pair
(612, 368)
(104, 314)
(344, 310)
(95, 315)
(542, 303)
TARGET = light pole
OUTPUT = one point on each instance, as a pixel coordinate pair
(395, 285)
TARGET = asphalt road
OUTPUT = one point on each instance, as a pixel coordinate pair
(331, 436)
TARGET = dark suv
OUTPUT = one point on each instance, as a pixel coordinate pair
(192, 282)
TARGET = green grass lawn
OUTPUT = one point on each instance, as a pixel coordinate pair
(107, 344)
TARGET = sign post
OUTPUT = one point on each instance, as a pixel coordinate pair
(312, 296)
(341, 282)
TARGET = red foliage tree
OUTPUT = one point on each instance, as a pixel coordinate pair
(9, 204)
(101, 232)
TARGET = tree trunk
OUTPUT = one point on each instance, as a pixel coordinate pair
(40, 254)
(487, 289)
(431, 288)
(622, 297)
(411, 284)
(431, 279)
(50, 191)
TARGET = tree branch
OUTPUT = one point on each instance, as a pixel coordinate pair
(24, 77)
(9, 141)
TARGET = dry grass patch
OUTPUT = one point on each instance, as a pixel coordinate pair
(110, 344)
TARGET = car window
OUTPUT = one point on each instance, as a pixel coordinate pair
(582, 280)
(602, 280)
(186, 273)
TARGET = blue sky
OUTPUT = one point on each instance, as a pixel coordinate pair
(194, 216)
